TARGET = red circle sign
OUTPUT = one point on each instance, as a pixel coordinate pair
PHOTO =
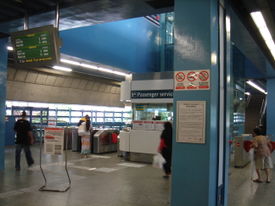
(204, 75)
(192, 76)
(180, 76)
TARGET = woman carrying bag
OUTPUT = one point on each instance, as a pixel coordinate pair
(165, 148)
(84, 130)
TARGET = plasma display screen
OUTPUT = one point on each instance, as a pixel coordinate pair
(36, 47)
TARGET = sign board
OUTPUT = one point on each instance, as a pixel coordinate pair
(36, 47)
(192, 80)
(54, 141)
(151, 94)
(191, 121)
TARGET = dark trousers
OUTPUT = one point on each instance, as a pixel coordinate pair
(167, 155)
(28, 155)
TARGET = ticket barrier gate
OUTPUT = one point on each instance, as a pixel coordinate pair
(241, 157)
(105, 141)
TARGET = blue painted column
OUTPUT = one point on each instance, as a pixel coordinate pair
(270, 108)
(194, 170)
(3, 81)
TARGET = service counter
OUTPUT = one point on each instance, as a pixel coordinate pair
(141, 143)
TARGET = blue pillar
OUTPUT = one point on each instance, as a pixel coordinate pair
(270, 108)
(3, 80)
(194, 171)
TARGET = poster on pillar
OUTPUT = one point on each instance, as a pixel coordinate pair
(192, 80)
(191, 121)
(54, 141)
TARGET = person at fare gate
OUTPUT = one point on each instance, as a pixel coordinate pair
(24, 138)
(263, 161)
(84, 130)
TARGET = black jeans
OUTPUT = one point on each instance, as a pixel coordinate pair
(28, 155)
(167, 155)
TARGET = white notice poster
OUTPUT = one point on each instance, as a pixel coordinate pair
(54, 141)
(191, 121)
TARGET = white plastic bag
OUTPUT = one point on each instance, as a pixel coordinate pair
(158, 161)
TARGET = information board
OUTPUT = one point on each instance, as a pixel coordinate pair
(54, 141)
(36, 47)
(191, 121)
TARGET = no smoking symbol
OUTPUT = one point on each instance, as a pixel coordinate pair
(192, 76)
(180, 76)
(203, 75)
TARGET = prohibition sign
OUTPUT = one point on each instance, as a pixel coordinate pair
(192, 76)
(203, 75)
(180, 76)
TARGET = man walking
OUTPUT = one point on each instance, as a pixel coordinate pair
(24, 139)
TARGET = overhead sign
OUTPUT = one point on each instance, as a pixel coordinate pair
(192, 80)
(36, 47)
(151, 94)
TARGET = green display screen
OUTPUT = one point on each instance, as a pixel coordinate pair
(35, 46)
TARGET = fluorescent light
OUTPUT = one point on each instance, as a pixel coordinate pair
(10, 48)
(260, 23)
(94, 67)
(66, 69)
(247, 93)
(70, 62)
(256, 86)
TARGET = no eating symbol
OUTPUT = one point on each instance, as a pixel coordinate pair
(180, 76)
(204, 75)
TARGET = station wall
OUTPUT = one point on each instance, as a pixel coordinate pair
(33, 86)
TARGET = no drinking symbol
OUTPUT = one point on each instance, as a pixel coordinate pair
(192, 76)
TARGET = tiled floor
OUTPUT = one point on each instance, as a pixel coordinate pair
(244, 192)
(100, 180)
(107, 180)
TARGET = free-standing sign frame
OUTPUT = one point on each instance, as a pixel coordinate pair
(191, 121)
(44, 187)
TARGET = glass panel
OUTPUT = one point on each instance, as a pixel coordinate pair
(74, 120)
(19, 112)
(107, 114)
(128, 114)
(62, 120)
(36, 113)
(118, 114)
(94, 119)
(99, 119)
(63, 113)
(108, 119)
(76, 114)
(100, 114)
(52, 113)
(118, 119)
(87, 113)
(162, 112)
(36, 120)
(8, 112)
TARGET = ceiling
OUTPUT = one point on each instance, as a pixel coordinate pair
(78, 13)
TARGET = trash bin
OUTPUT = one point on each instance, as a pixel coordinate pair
(241, 157)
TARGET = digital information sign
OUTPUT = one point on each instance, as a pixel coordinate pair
(36, 47)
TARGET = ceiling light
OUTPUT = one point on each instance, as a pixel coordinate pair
(256, 86)
(260, 23)
(66, 69)
(247, 93)
(94, 67)
(10, 48)
(70, 62)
